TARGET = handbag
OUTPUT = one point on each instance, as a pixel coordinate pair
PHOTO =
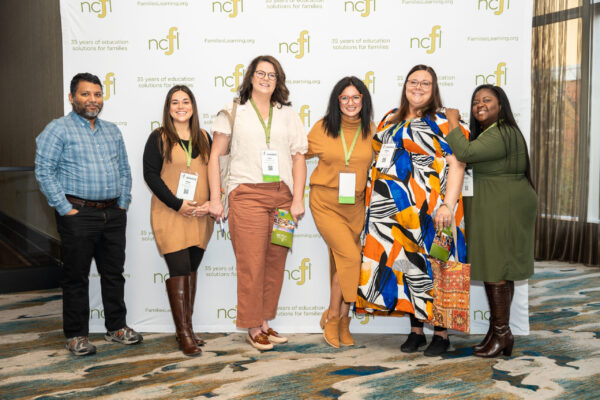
(451, 290)
(225, 160)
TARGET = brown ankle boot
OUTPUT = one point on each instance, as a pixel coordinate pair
(193, 278)
(331, 329)
(178, 288)
(345, 336)
(502, 340)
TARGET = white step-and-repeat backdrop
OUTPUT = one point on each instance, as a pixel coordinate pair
(139, 49)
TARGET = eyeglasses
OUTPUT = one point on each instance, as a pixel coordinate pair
(262, 74)
(357, 98)
(413, 83)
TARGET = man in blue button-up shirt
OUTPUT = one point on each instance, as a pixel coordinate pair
(82, 169)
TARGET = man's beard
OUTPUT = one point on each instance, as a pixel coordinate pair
(82, 110)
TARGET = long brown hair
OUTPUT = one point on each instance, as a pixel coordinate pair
(281, 93)
(199, 141)
(434, 103)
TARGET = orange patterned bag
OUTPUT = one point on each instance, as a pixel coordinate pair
(451, 288)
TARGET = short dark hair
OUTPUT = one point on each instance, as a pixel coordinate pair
(332, 119)
(505, 119)
(434, 103)
(83, 76)
(281, 93)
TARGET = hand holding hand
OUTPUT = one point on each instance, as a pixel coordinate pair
(216, 210)
(202, 210)
(187, 208)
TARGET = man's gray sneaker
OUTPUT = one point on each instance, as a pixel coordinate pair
(125, 335)
(80, 346)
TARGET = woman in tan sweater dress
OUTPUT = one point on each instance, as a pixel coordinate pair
(342, 141)
(181, 227)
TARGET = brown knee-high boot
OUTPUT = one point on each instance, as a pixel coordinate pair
(488, 336)
(193, 277)
(501, 340)
(178, 288)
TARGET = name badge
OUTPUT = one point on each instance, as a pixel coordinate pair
(270, 165)
(386, 156)
(347, 188)
(467, 189)
(187, 185)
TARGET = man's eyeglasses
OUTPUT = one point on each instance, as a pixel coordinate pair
(262, 74)
(413, 83)
(357, 98)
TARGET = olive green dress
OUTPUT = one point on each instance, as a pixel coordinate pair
(500, 217)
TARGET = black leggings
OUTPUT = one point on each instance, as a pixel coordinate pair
(184, 262)
(415, 323)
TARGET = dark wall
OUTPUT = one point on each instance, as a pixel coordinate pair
(31, 95)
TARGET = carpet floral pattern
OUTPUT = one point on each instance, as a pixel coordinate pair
(560, 359)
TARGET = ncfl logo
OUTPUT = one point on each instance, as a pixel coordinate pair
(364, 7)
(169, 44)
(304, 115)
(498, 77)
(231, 81)
(233, 7)
(97, 7)
(299, 47)
(498, 6)
(369, 81)
(227, 313)
(110, 85)
(431, 42)
(300, 274)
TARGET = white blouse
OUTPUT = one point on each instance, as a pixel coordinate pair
(288, 137)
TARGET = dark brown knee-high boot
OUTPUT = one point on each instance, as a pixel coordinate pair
(501, 340)
(488, 336)
(178, 288)
(193, 277)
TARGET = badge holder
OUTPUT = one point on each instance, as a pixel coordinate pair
(186, 189)
(386, 156)
(347, 187)
(270, 165)
(467, 188)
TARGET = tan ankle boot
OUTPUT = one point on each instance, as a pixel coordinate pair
(345, 336)
(331, 330)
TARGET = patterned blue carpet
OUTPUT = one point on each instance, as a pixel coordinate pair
(559, 360)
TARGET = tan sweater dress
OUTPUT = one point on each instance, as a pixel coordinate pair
(172, 231)
(340, 224)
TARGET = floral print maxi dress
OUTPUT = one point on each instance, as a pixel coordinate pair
(401, 203)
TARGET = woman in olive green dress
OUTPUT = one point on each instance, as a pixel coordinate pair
(500, 217)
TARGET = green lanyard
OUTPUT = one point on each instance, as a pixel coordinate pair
(490, 127)
(188, 151)
(267, 127)
(401, 125)
(348, 154)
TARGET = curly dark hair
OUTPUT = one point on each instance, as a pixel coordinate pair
(281, 93)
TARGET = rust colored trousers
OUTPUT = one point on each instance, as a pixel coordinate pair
(260, 264)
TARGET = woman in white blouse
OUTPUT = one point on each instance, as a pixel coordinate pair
(267, 172)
